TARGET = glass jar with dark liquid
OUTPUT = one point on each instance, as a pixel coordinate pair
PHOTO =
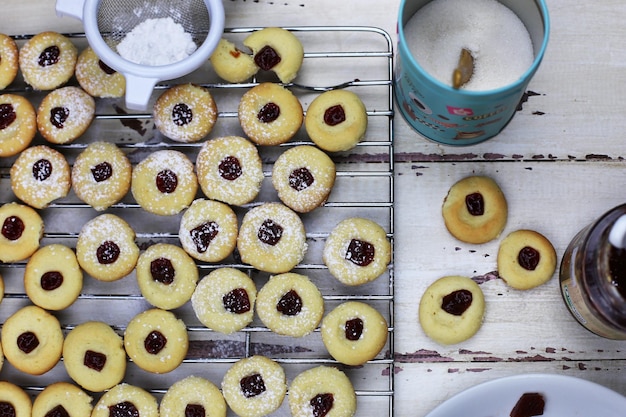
(593, 275)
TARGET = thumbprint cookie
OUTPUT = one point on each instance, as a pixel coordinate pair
(65, 114)
(21, 232)
(526, 259)
(270, 114)
(18, 124)
(185, 113)
(40, 175)
(475, 210)
(231, 64)
(97, 78)
(47, 60)
(278, 50)
(451, 309)
(336, 120)
(9, 62)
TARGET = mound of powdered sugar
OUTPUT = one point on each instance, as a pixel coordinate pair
(155, 42)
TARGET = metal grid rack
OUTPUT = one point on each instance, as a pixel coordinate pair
(364, 187)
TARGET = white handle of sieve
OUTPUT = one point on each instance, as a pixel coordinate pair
(72, 8)
(617, 234)
(138, 91)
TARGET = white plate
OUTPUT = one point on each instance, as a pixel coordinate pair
(564, 396)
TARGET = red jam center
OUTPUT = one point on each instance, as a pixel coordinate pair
(203, 235)
(162, 271)
(301, 179)
(102, 172)
(237, 301)
(457, 302)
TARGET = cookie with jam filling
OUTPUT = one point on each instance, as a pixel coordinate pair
(278, 50)
(208, 230)
(451, 309)
(53, 278)
(254, 386)
(32, 340)
(21, 230)
(357, 251)
(270, 114)
(126, 400)
(230, 170)
(336, 120)
(290, 304)
(94, 356)
(62, 399)
(354, 332)
(47, 60)
(156, 341)
(475, 210)
(40, 175)
(164, 182)
(272, 238)
(101, 175)
(303, 176)
(106, 248)
(166, 275)
(322, 391)
(526, 259)
(193, 396)
(15, 400)
(65, 114)
(224, 300)
(185, 113)
(18, 124)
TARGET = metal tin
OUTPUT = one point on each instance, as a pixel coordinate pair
(587, 283)
(456, 116)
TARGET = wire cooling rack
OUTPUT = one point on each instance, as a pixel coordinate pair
(356, 58)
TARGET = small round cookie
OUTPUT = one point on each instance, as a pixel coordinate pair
(354, 332)
(21, 233)
(230, 170)
(336, 120)
(278, 50)
(290, 304)
(65, 114)
(97, 78)
(47, 60)
(526, 259)
(101, 175)
(357, 251)
(303, 176)
(208, 230)
(94, 356)
(254, 386)
(106, 248)
(14, 401)
(322, 391)
(475, 210)
(231, 64)
(167, 276)
(272, 238)
(193, 396)
(224, 300)
(185, 113)
(40, 175)
(126, 400)
(9, 62)
(62, 399)
(32, 340)
(451, 309)
(164, 183)
(18, 124)
(52, 278)
(156, 341)
(270, 114)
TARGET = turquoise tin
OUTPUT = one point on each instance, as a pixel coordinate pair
(459, 117)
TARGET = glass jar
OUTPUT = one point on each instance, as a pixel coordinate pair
(593, 277)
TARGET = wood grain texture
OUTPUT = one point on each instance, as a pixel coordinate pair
(560, 163)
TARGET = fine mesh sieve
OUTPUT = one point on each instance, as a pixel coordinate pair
(107, 22)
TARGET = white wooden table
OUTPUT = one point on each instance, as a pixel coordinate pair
(560, 163)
